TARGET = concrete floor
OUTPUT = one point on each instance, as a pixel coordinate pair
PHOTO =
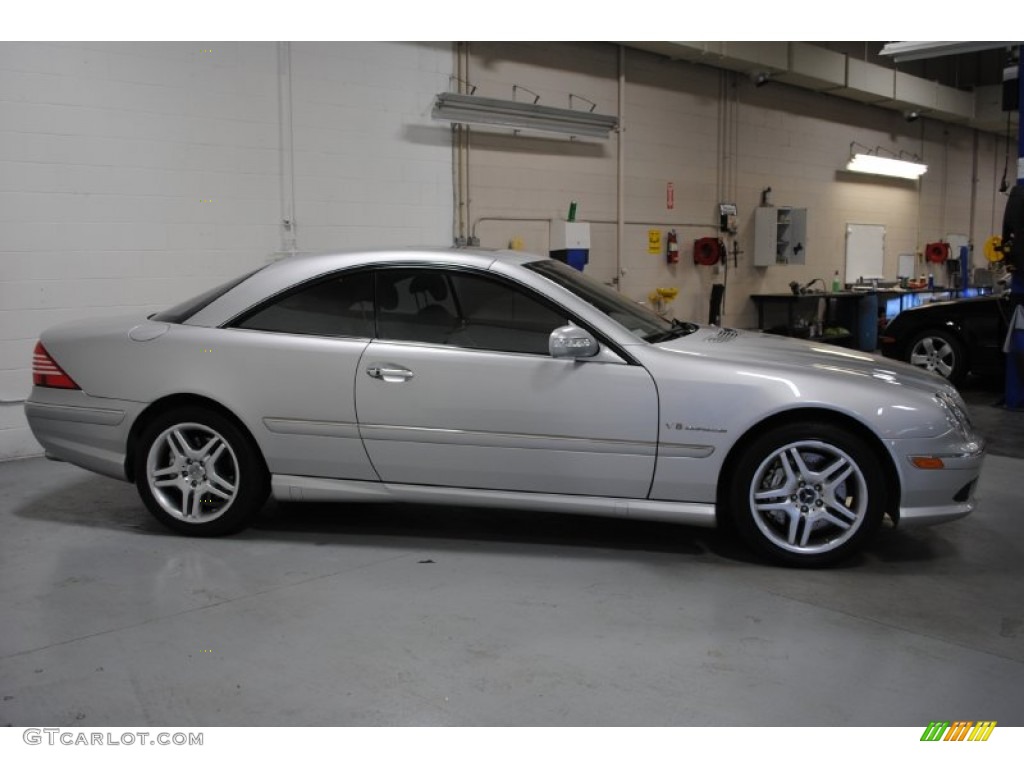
(330, 615)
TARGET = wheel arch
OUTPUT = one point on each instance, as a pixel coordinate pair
(180, 400)
(835, 418)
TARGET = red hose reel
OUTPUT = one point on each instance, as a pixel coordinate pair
(936, 253)
(708, 251)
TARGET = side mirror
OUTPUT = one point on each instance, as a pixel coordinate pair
(572, 341)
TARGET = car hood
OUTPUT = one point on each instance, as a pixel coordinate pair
(784, 355)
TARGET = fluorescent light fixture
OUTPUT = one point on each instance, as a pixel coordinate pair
(885, 166)
(912, 51)
(464, 108)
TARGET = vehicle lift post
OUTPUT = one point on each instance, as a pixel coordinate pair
(1013, 236)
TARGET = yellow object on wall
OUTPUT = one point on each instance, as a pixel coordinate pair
(660, 298)
(993, 249)
(654, 241)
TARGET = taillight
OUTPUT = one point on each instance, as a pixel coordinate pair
(46, 372)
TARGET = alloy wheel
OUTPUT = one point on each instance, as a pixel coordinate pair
(192, 472)
(808, 497)
(936, 354)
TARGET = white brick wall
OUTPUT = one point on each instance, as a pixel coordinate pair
(371, 166)
(135, 174)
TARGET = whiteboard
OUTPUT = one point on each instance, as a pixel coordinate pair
(907, 264)
(865, 252)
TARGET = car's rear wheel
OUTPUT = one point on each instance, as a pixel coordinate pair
(939, 352)
(198, 473)
(807, 494)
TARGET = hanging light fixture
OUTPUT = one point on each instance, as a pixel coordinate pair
(871, 162)
(464, 108)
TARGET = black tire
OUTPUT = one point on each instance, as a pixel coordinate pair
(939, 352)
(198, 473)
(807, 495)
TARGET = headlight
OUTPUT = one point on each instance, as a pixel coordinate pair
(956, 413)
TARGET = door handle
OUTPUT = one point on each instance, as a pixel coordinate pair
(389, 373)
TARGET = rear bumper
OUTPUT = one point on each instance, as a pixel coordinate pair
(87, 431)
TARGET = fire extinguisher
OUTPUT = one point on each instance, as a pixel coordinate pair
(673, 247)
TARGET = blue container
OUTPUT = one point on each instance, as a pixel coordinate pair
(867, 322)
(577, 258)
(1014, 349)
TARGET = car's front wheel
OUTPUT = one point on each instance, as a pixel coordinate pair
(198, 473)
(807, 494)
(941, 353)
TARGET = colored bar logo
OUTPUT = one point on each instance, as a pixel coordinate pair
(960, 730)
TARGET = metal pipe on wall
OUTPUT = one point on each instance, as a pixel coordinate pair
(532, 219)
(666, 224)
(1020, 115)
(974, 193)
(734, 137)
(289, 230)
(995, 175)
(467, 193)
(456, 181)
(721, 137)
(944, 192)
(727, 138)
(615, 222)
(620, 176)
(918, 236)
(458, 150)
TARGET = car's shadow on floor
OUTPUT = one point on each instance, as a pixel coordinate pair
(98, 502)
(421, 524)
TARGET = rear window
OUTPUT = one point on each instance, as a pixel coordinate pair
(179, 313)
(341, 305)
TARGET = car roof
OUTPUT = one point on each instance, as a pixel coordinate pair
(329, 261)
(293, 270)
(950, 305)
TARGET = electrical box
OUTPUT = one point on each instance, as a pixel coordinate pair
(569, 241)
(728, 221)
(780, 235)
(569, 235)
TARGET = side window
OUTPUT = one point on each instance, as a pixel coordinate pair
(341, 305)
(462, 310)
(501, 316)
(415, 305)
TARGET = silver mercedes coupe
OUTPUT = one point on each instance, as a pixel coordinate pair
(500, 379)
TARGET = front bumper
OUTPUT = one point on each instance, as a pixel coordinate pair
(931, 496)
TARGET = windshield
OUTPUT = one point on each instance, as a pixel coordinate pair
(636, 318)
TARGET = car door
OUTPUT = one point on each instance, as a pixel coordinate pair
(984, 324)
(289, 369)
(458, 389)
